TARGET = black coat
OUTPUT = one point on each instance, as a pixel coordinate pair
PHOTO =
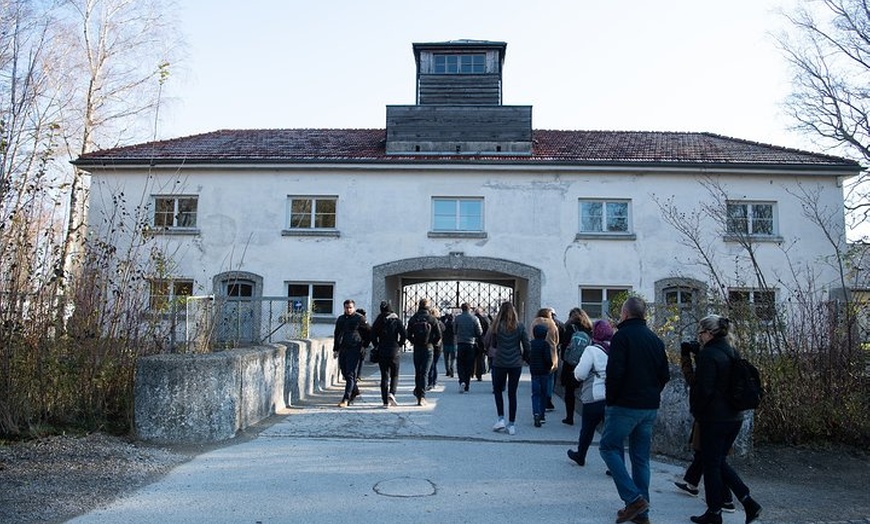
(707, 399)
(637, 368)
(351, 332)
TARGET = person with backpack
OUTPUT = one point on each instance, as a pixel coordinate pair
(692, 476)
(591, 372)
(351, 335)
(388, 336)
(544, 317)
(578, 322)
(718, 419)
(423, 332)
(468, 331)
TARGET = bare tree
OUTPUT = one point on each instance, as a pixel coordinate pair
(828, 47)
(117, 61)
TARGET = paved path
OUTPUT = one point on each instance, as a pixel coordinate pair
(366, 464)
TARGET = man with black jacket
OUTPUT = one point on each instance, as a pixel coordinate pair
(424, 332)
(351, 334)
(637, 371)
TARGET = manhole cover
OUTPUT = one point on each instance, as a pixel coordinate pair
(405, 487)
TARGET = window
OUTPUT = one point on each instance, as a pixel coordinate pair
(312, 212)
(454, 64)
(604, 216)
(164, 292)
(595, 301)
(457, 214)
(172, 212)
(750, 218)
(760, 302)
(319, 297)
(682, 297)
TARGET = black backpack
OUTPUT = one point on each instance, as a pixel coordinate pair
(419, 330)
(389, 330)
(745, 390)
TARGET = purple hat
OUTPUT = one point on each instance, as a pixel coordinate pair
(602, 331)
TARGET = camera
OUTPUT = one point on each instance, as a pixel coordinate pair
(690, 346)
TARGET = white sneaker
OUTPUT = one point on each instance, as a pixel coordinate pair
(392, 400)
(512, 430)
(499, 425)
(461, 387)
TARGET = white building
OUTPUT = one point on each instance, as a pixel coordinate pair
(460, 189)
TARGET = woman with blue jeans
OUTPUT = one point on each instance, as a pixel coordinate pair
(507, 341)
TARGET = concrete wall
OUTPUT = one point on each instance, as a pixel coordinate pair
(208, 398)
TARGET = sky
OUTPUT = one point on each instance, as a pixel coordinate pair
(666, 65)
(627, 65)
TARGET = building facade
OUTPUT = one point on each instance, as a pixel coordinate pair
(460, 191)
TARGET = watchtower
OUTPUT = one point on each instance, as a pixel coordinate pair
(459, 107)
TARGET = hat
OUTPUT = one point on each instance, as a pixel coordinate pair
(602, 331)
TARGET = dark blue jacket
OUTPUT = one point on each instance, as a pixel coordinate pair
(637, 369)
(539, 355)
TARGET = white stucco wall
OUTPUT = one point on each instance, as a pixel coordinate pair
(531, 217)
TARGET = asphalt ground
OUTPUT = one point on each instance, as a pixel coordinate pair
(365, 464)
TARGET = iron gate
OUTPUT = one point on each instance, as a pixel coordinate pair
(448, 295)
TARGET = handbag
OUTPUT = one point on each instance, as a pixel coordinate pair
(492, 344)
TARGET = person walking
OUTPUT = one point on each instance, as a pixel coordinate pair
(506, 341)
(719, 422)
(481, 362)
(540, 360)
(448, 342)
(388, 336)
(437, 350)
(578, 320)
(637, 371)
(695, 470)
(350, 337)
(591, 372)
(424, 332)
(544, 317)
(468, 331)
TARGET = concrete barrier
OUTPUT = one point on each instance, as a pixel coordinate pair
(209, 397)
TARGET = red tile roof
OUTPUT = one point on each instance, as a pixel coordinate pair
(592, 148)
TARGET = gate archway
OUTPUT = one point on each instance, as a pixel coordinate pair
(388, 280)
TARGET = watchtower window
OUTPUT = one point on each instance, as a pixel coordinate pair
(453, 64)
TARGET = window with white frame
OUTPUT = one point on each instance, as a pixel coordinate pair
(164, 292)
(595, 301)
(751, 218)
(459, 64)
(760, 302)
(318, 297)
(457, 214)
(311, 212)
(605, 216)
(175, 212)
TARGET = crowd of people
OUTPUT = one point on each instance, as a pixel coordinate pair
(620, 373)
